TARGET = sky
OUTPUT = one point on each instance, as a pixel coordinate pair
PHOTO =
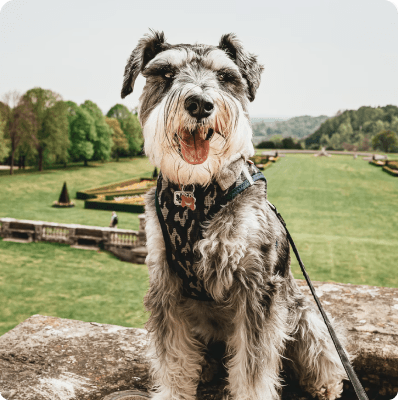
(320, 56)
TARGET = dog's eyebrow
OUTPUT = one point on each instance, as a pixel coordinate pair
(158, 66)
(217, 59)
(175, 57)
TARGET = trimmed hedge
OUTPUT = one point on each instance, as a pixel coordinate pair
(393, 172)
(110, 189)
(113, 206)
(392, 164)
(102, 198)
(378, 163)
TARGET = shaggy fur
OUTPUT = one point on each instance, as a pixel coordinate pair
(243, 258)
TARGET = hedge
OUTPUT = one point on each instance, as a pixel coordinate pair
(109, 189)
(113, 206)
(390, 171)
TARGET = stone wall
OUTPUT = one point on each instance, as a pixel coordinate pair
(125, 244)
(47, 358)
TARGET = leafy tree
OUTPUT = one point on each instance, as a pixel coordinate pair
(4, 142)
(120, 142)
(49, 134)
(130, 126)
(82, 133)
(267, 144)
(19, 120)
(386, 141)
(103, 143)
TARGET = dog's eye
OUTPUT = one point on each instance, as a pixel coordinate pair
(221, 76)
(168, 75)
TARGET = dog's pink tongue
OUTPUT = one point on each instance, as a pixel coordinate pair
(194, 149)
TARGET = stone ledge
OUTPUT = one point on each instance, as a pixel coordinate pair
(58, 359)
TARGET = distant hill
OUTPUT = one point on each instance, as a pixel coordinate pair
(296, 127)
(354, 128)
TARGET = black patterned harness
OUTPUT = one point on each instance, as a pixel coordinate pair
(182, 226)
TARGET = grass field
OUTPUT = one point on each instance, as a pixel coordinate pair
(56, 280)
(30, 195)
(342, 214)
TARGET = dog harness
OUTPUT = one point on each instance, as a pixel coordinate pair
(181, 215)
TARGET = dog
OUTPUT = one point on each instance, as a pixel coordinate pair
(219, 270)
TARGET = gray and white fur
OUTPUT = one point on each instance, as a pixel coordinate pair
(243, 259)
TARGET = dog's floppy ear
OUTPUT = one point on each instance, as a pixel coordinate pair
(148, 47)
(248, 65)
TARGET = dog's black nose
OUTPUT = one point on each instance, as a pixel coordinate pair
(199, 106)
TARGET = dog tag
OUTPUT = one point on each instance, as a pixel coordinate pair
(188, 200)
(185, 199)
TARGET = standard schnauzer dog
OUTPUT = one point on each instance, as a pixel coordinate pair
(219, 264)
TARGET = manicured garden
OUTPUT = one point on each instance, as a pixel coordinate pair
(341, 212)
(30, 195)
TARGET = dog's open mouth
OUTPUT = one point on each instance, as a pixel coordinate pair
(195, 145)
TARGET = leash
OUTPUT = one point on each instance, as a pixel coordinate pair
(359, 390)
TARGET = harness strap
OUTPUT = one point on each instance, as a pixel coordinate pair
(233, 193)
(359, 390)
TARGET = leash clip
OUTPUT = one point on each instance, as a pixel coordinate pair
(277, 213)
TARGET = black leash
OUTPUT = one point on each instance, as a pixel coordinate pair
(359, 390)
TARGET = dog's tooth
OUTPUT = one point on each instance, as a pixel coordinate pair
(209, 134)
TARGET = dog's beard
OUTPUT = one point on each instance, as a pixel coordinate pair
(188, 152)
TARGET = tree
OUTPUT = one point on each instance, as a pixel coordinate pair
(386, 141)
(103, 143)
(268, 144)
(82, 133)
(130, 126)
(4, 142)
(19, 119)
(50, 133)
(120, 142)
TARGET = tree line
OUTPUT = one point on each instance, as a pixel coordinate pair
(39, 128)
(364, 129)
(296, 127)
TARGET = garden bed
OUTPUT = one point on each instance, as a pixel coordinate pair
(126, 196)
(377, 163)
(263, 162)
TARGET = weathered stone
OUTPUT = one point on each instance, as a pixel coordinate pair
(58, 359)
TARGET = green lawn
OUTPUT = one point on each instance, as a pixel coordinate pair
(341, 212)
(57, 280)
(30, 195)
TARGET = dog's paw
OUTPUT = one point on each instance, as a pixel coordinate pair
(328, 392)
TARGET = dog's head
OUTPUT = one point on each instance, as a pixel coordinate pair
(193, 109)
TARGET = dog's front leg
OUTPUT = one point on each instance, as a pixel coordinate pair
(176, 357)
(255, 348)
(224, 245)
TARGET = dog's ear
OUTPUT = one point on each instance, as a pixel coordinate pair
(148, 47)
(248, 65)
